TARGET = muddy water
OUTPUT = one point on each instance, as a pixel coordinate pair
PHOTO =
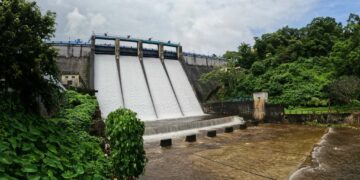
(337, 156)
(263, 152)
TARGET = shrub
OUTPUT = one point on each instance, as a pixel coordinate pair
(125, 132)
(258, 68)
(345, 89)
(78, 109)
(32, 147)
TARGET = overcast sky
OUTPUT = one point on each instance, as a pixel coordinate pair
(201, 26)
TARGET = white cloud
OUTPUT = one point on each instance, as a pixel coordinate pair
(97, 20)
(75, 23)
(203, 26)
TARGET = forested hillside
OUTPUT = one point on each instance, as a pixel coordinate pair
(310, 66)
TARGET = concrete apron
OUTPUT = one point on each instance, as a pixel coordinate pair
(180, 128)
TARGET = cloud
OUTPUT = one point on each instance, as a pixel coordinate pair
(97, 20)
(202, 26)
(75, 22)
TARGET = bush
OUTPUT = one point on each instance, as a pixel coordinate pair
(258, 68)
(79, 109)
(345, 89)
(125, 132)
(34, 147)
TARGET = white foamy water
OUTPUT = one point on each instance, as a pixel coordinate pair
(186, 96)
(107, 83)
(136, 94)
(163, 96)
(315, 158)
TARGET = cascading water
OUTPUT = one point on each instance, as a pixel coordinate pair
(153, 90)
(163, 96)
(107, 83)
(136, 93)
(186, 96)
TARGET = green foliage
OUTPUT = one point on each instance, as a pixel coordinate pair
(125, 132)
(296, 66)
(345, 89)
(228, 77)
(244, 57)
(25, 58)
(78, 109)
(324, 110)
(33, 147)
(258, 68)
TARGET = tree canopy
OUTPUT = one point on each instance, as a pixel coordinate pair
(297, 65)
(25, 59)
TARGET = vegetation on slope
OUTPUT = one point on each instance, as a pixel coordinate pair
(32, 146)
(297, 66)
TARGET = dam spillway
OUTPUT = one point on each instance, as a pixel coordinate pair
(155, 88)
(136, 94)
(107, 83)
(163, 96)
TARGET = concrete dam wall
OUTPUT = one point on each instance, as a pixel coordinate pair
(155, 84)
(146, 89)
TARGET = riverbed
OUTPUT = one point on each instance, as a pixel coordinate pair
(336, 156)
(268, 151)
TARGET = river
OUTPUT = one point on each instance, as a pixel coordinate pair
(337, 156)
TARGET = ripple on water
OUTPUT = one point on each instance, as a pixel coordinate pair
(337, 156)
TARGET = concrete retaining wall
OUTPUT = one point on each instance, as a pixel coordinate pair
(245, 109)
(74, 59)
(203, 90)
(199, 60)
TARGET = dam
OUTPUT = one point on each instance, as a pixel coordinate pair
(154, 79)
(151, 82)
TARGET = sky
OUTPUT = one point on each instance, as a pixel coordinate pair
(200, 26)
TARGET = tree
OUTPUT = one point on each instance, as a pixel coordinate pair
(25, 59)
(125, 132)
(345, 89)
(244, 57)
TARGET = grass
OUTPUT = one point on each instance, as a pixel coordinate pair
(324, 125)
(322, 110)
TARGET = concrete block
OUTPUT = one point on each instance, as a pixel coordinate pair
(165, 142)
(229, 129)
(211, 133)
(190, 138)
